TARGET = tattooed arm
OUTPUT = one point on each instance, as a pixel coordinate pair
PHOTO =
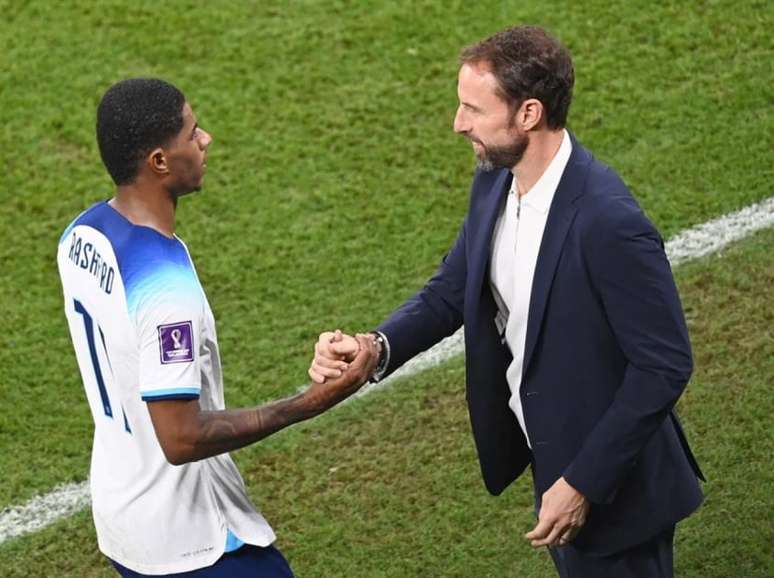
(187, 434)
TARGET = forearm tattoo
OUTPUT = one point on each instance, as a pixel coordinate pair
(227, 430)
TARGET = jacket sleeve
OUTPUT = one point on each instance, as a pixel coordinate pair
(433, 313)
(629, 269)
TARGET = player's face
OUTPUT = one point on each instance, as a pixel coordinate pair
(485, 119)
(187, 155)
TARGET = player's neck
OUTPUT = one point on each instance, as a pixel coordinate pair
(146, 206)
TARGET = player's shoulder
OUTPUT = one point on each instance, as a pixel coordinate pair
(149, 263)
(94, 213)
(101, 224)
(156, 270)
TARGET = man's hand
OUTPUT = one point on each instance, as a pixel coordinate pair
(325, 395)
(333, 352)
(562, 514)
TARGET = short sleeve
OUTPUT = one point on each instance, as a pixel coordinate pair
(168, 322)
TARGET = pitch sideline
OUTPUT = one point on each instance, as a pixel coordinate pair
(68, 499)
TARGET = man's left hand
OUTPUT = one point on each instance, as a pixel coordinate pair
(562, 514)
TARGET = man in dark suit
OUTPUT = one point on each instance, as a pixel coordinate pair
(576, 345)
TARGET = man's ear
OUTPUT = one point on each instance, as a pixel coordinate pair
(157, 162)
(530, 114)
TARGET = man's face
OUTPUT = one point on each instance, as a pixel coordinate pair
(486, 120)
(187, 155)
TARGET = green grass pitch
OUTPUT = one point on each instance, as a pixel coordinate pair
(335, 185)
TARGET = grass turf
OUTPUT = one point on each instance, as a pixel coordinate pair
(388, 485)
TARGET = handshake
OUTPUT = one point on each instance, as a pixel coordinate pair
(341, 365)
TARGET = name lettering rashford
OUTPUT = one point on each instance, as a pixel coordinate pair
(85, 256)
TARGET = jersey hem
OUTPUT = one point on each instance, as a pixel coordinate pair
(175, 568)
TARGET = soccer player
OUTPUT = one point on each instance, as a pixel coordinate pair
(167, 498)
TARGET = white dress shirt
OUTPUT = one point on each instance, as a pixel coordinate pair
(515, 245)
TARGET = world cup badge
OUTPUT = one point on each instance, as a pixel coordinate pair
(176, 342)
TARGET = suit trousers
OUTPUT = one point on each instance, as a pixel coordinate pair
(653, 559)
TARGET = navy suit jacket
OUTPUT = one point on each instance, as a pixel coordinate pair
(607, 355)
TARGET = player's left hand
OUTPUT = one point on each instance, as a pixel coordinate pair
(563, 512)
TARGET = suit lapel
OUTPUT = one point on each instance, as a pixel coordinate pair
(481, 227)
(560, 218)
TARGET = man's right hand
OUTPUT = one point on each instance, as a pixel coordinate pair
(333, 352)
(325, 394)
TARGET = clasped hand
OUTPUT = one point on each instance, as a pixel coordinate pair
(358, 357)
(335, 351)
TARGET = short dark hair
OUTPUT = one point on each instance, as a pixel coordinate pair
(528, 63)
(134, 117)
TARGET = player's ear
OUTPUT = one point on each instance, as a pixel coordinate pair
(157, 162)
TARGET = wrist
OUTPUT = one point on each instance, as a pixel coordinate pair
(383, 349)
(308, 404)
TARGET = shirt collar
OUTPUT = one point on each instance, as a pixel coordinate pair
(539, 197)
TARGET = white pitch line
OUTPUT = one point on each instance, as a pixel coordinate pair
(692, 243)
(713, 235)
(41, 511)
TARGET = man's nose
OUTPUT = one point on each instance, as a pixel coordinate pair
(205, 139)
(460, 122)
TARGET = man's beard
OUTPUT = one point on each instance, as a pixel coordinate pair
(502, 156)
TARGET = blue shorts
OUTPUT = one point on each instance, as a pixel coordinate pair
(247, 562)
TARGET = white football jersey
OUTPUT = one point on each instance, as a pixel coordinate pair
(143, 330)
